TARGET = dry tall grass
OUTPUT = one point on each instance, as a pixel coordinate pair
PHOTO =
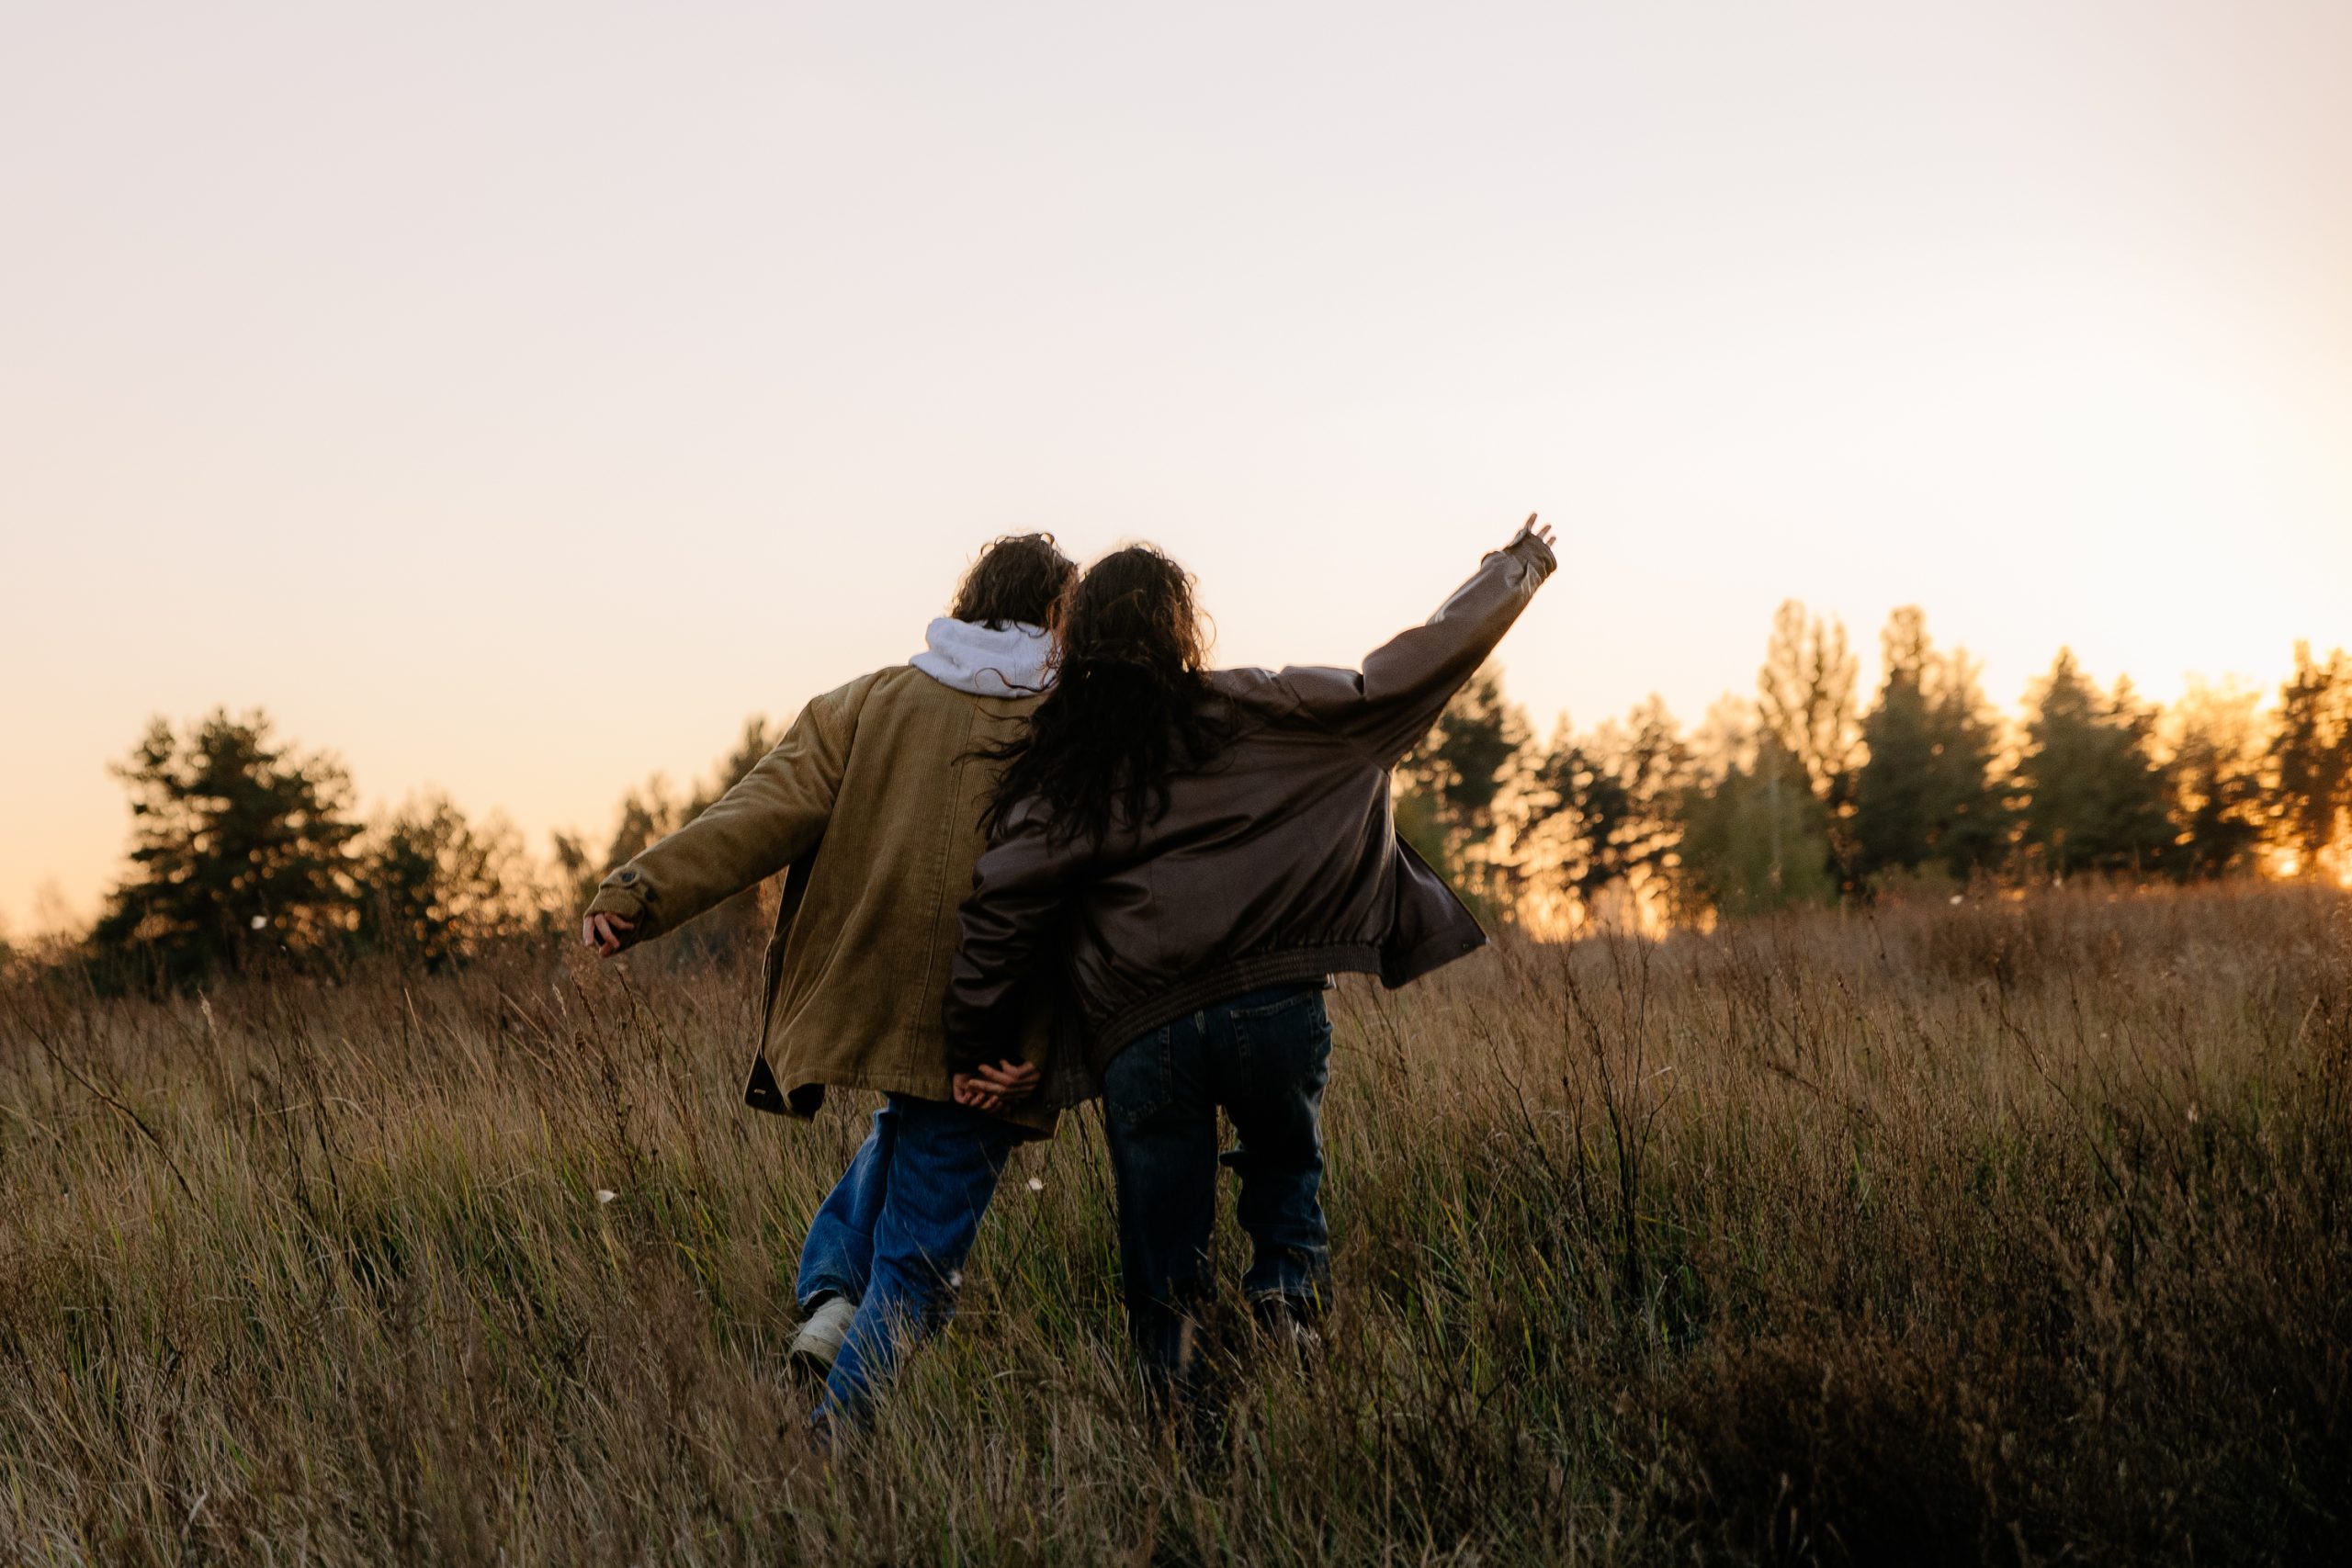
(2010, 1233)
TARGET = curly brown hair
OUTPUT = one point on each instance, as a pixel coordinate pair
(1130, 707)
(1016, 580)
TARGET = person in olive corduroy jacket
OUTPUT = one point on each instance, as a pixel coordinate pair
(873, 801)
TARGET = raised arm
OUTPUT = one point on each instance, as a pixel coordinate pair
(1020, 889)
(773, 817)
(1405, 684)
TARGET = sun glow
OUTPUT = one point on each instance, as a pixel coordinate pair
(2331, 864)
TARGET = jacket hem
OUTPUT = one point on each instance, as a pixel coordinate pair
(1430, 957)
(766, 1090)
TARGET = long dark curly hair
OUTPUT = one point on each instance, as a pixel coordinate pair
(1131, 703)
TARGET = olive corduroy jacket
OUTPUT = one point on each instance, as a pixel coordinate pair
(873, 800)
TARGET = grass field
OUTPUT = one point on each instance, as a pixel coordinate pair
(2014, 1231)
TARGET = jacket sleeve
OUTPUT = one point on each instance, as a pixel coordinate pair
(1019, 892)
(1405, 684)
(773, 817)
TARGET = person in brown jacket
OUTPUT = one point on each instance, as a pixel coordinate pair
(873, 801)
(1198, 850)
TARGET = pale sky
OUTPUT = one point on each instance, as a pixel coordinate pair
(513, 397)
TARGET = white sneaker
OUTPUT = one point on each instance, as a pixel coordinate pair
(818, 1344)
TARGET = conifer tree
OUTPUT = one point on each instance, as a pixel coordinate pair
(2094, 795)
(1923, 794)
(243, 850)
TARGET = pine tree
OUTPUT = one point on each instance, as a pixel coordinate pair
(243, 850)
(1975, 824)
(1896, 815)
(1924, 795)
(2094, 795)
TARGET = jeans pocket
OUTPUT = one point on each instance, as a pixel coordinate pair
(1286, 1040)
(1140, 1082)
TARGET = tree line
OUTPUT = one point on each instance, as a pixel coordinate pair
(1805, 794)
(248, 851)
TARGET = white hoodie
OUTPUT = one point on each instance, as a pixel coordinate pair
(984, 662)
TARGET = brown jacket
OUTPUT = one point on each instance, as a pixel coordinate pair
(880, 774)
(1278, 862)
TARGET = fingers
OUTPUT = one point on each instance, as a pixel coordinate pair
(972, 1097)
(996, 1085)
(603, 932)
(969, 1093)
(1008, 1078)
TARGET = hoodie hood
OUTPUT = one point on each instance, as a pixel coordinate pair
(983, 661)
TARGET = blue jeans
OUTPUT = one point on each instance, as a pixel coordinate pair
(892, 1234)
(1264, 1059)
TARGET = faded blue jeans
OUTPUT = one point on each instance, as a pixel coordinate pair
(1264, 1059)
(893, 1234)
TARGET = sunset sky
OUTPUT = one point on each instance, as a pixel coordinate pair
(513, 397)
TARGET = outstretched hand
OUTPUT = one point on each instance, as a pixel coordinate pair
(1543, 533)
(994, 1086)
(607, 934)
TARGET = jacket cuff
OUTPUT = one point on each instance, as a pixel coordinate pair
(615, 899)
(1535, 553)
